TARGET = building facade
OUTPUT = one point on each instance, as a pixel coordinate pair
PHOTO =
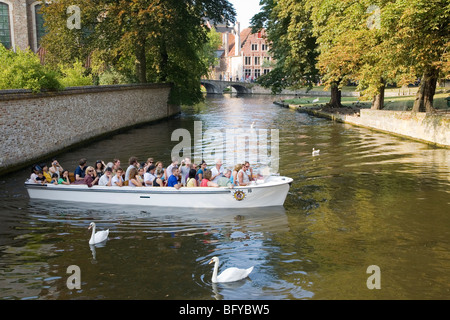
(21, 24)
(243, 56)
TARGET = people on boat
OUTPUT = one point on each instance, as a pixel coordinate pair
(34, 173)
(243, 178)
(116, 165)
(160, 166)
(54, 178)
(191, 181)
(173, 179)
(224, 181)
(169, 169)
(234, 177)
(99, 168)
(158, 182)
(47, 175)
(56, 168)
(184, 170)
(133, 178)
(149, 176)
(64, 178)
(201, 171)
(117, 180)
(41, 178)
(133, 163)
(80, 171)
(106, 178)
(206, 181)
(217, 171)
(89, 179)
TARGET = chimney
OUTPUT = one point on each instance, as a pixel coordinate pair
(237, 39)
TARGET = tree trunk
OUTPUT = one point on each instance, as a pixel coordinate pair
(141, 62)
(335, 101)
(427, 89)
(164, 56)
(378, 99)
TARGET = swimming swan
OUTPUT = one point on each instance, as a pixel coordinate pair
(99, 236)
(315, 152)
(230, 274)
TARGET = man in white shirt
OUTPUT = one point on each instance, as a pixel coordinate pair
(117, 180)
(106, 179)
(149, 176)
(169, 169)
(217, 171)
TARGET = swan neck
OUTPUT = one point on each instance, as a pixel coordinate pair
(216, 269)
(93, 233)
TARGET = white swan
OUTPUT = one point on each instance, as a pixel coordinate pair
(315, 152)
(316, 100)
(252, 125)
(230, 274)
(97, 237)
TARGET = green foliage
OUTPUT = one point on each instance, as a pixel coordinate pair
(148, 41)
(23, 70)
(74, 76)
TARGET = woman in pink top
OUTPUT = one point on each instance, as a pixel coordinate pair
(206, 181)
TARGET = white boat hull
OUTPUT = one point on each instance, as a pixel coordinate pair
(272, 192)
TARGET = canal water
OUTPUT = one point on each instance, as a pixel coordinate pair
(368, 199)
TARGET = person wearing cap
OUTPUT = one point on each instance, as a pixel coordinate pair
(149, 176)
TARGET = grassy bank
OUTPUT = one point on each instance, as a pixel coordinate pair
(402, 103)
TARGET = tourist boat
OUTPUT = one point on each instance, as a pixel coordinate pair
(271, 191)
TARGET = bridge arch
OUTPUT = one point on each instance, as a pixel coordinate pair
(217, 87)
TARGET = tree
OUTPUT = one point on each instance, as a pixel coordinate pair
(419, 44)
(148, 40)
(292, 45)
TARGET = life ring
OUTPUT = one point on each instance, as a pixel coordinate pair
(239, 195)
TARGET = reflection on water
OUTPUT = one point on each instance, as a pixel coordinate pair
(368, 199)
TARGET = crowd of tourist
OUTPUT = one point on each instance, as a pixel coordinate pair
(145, 174)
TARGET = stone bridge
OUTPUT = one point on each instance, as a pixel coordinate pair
(217, 86)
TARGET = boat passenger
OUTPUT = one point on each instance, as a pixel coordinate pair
(40, 178)
(184, 170)
(149, 176)
(160, 166)
(206, 181)
(243, 178)
(158, 182)
(149, 162)
(56, 168)
(217, 171)
(116, 165)
(234, 178)
(191, 181)
(54, 178)
(201, 171)
(225, 181)
(45, 172)
(173, 179)
(133, 163)
(249, 171)
(117, 180)
(169, 169)
(34, 174)
(133, 178)
(80, 171)
(64, 179)
(89, 178)
(99, 168)
(106, 178)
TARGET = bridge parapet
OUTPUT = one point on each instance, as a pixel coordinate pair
(218, 86)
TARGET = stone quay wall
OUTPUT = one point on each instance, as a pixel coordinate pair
(35, 126)
(431, 128)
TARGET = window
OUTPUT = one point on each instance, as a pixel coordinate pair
(264, 47)
(40, 29)
(266, 71)
(257, 61)
(247, 73)
(5, 29)
(257, 73)
(248, 61)
(254, 47)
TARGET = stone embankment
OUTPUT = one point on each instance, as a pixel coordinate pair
(430, 128)
(37, 126)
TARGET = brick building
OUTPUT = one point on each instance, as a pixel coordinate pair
(21, 24)
(243, 56)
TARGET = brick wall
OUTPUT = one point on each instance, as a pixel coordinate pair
(33, 126)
